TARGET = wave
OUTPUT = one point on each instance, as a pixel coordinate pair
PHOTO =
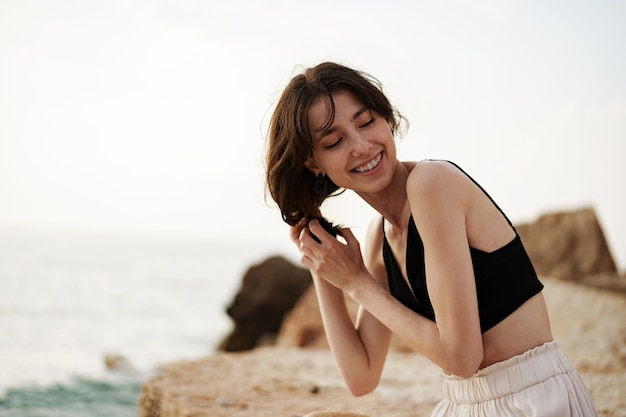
(80, 397)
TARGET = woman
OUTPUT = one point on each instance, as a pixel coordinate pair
(443, 267)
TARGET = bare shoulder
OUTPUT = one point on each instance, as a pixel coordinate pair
(436, 178)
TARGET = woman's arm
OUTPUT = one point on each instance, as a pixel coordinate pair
(439, 199)
(359, 348)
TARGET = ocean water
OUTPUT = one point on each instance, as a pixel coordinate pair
(68, 301)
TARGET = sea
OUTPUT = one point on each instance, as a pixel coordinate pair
(71, 302)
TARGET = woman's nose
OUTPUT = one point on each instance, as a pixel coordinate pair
(361, 145)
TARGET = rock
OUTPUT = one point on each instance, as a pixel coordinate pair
(268, 291)
(567, 245)
(589, 324)
(302, 326)
(285, 381)
(274, 381)
(116, 362)
(611, 281)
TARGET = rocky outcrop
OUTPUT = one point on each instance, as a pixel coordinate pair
(286, 381)
(267, 292)
(302, 326)
(567, 245)
(289, 382)
(611, 281)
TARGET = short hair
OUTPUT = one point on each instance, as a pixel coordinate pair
(290, 144)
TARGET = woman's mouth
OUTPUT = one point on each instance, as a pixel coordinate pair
(370, 165)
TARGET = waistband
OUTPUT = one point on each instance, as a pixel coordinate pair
(509, 376)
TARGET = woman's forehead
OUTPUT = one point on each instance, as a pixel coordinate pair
(321, 112)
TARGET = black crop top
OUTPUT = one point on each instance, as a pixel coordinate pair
(505, 278)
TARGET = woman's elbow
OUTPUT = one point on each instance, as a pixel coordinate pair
(359, 388)
(464, 367)
(462, 371)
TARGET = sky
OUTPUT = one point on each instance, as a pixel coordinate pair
(149, 117)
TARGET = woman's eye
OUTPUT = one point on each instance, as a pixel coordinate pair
(333, 144)
(369, 122)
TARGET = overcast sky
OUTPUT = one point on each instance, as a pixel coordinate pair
(140, 116)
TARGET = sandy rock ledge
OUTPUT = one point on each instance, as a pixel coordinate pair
(290, 382)
(286, 381)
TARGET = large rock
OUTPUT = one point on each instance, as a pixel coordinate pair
(286, 381)
(302, 326)
(567, 245)
(611, 281)
(267, 292)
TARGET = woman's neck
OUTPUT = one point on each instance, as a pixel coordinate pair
(392, 202)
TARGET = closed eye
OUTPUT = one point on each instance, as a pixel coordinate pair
(369, 122)
(334, 144)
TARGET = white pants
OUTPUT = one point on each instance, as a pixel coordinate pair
(541, 382)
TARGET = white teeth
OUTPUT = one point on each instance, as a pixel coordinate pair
(371, 165)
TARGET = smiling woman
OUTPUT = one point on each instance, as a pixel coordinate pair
(443, 267)
(352, 149)
(314, 123)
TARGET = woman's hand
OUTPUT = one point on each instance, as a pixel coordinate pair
(359, 344)
(340, 264)
(294, 231)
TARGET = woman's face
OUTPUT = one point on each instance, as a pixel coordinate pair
(357, 151)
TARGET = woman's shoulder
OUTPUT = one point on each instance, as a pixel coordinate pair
(438, 191)
(431, 175)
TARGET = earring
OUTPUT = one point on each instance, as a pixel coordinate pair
(320, 187)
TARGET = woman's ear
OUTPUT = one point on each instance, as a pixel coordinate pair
(313, 167)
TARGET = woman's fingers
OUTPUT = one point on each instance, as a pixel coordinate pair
(347, 234)
(306, 261)
(306, 250)
(295, 231)
(331, 259)
(319, 231)
(349, 237)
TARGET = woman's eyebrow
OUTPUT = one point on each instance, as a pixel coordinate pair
(326, 132)
(358, 113)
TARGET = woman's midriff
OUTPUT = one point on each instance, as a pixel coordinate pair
(526, 328)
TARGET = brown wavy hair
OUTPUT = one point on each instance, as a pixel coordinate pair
(289, 182)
